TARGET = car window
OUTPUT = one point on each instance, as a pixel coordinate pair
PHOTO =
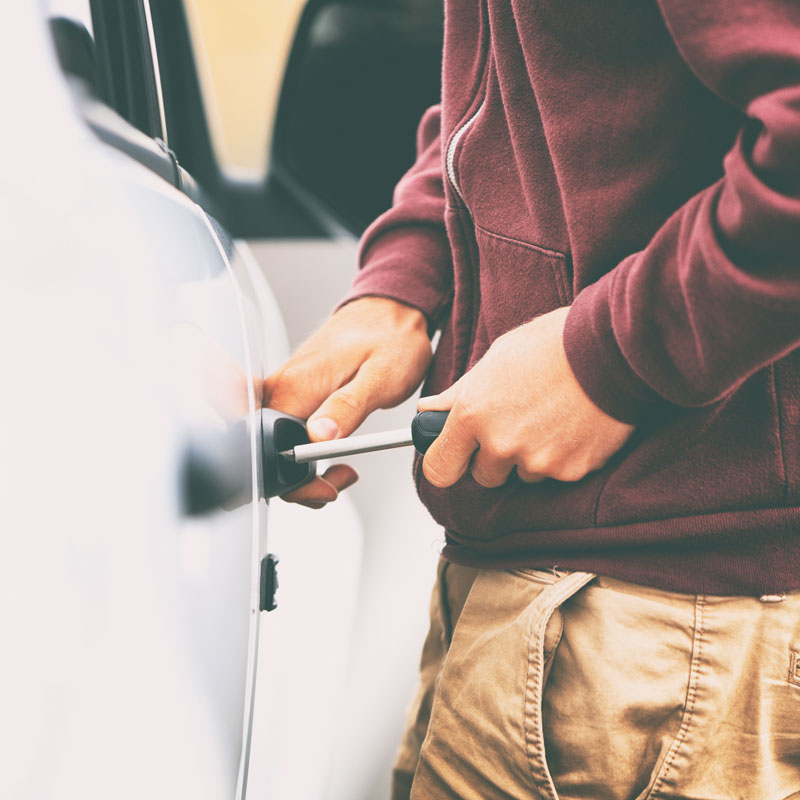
(126, 76)
(241, 48)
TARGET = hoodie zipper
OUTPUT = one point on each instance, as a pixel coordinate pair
(450, 156)
(451, 149)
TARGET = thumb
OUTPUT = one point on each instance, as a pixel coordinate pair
(348, 407)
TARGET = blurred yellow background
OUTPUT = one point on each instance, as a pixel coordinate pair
(241, 47)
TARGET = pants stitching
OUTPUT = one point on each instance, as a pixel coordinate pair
(444, 607)
(533, 740)
(531, 708)
(691, 698)
(779, 420)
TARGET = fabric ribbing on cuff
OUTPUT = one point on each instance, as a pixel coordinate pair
(597, 361)
(411, 265)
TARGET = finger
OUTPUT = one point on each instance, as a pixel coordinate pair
(322, 429)
(300, 386)
(341, 476)
(317, 491)
(349, 406)
(530, 477)
(448, 457)
(323, 489)
(489, 470)
(440, 402)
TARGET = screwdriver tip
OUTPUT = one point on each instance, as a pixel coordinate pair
(287, 454)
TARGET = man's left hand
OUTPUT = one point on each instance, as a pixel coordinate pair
(521, 407)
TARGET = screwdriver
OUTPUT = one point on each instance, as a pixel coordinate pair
(425, 427)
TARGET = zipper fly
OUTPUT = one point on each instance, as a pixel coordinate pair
(451, 149)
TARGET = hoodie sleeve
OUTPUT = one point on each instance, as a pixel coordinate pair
(405, 253)
(715, 296)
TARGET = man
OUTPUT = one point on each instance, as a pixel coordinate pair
(604, 222)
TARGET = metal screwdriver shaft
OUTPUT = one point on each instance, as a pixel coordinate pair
(425, 427)
(349, 446)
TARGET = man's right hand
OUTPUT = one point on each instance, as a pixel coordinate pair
(372, 353)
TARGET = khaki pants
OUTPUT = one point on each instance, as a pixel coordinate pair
(567, 685)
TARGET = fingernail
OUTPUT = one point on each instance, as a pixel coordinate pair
(323, 428)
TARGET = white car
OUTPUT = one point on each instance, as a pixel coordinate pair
(133, 477)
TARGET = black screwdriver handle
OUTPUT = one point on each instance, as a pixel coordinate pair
(427, 425)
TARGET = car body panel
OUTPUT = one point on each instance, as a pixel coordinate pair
(129, 325)
(131, 662)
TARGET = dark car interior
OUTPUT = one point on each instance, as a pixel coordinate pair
(359, 76)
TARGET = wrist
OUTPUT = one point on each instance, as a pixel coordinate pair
(401, 316)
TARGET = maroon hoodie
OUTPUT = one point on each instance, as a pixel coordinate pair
(639, 160)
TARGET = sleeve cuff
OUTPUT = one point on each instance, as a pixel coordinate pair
(411, 265)
(597, 361)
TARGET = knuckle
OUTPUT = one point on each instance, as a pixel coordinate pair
(287, 387)
(487, 478)
(501, 450)
(434, 473)
(569, 473)
(528, 477)
(573, 470)
(349, 400)
(292, 373)
(536, 464)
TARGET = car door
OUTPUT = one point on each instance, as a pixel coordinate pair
(353, 78)
(146, 687)
(141, 334)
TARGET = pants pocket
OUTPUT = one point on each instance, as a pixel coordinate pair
(615, 696)
(475, 748)
(743, 738)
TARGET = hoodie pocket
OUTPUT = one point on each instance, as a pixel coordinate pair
(517, 281)
(695, 461)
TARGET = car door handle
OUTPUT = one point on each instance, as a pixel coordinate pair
(281, 432)
(216, 471)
